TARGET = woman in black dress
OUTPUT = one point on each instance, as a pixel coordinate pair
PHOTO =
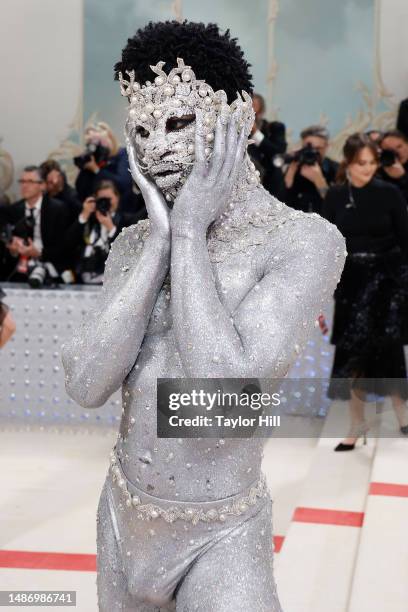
(371, 300)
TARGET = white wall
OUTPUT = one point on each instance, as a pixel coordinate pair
(393, 47)
(41, 51)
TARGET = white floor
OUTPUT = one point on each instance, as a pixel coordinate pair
(50, 484)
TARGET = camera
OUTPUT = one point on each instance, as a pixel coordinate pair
(6, 234)
(307, 156)
(41, 273)
(99, 152)
(24, 229)
(388, 158)
(103, 205)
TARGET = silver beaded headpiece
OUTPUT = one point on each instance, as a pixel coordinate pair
(179, 88)
(179, 93)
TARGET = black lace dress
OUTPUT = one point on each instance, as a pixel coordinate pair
(370, 325)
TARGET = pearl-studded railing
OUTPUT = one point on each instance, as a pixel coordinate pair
(32, 377)
(32, 385)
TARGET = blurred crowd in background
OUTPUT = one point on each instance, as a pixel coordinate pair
(60, 233)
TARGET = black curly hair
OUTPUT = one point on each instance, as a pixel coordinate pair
(214, 57)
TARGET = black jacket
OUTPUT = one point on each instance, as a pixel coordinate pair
(77, 234)
(69, 196)
(274, 143)
(54, 222)
(117, 171)
(303, 195)
(402, 120)
(401, 183)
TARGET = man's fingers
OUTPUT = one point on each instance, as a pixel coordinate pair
(200, 163)
(137, 175)
(231, 145)
(239, 155)
(219, 148)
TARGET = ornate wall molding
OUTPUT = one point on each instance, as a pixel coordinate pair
(177, 9)
(273, 12)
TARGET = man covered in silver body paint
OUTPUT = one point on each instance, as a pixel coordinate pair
(222, 280)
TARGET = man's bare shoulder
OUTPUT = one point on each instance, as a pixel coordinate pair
(126, 248)
(295, 232)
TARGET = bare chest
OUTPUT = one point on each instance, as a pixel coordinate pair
(233, 279)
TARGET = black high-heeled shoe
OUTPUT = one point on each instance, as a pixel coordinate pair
(404, 430)
(355, 432)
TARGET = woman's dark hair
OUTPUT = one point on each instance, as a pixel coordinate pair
(351, 150)
(214, 57)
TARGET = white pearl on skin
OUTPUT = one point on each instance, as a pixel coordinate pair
(207, 150)
(149, 108)
(143, 117)
(157, 113)
(133, 113)
(209, 137)
(190, 148)
(186, 76)
(176, 79)
(159, 80)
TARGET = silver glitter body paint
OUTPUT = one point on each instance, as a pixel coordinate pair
(237, 300)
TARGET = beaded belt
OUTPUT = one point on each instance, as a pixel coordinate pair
(210, 511)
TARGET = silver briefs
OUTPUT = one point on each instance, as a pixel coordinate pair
(152, 564)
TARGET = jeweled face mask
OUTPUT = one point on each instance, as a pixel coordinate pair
(161, 122)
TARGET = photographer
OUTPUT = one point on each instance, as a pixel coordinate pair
(32, 229)
(103, 159)
(90, 236)
(269, 141)
(310, 172)
(57, 187)
(394, 160)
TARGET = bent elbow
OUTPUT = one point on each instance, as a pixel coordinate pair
(84, 394)
(79, 386)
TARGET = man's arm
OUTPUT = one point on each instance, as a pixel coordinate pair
(272, 323)
(105, 347)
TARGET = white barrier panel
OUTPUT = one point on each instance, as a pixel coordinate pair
(31, 374)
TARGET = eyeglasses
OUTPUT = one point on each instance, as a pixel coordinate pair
(28, 181)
